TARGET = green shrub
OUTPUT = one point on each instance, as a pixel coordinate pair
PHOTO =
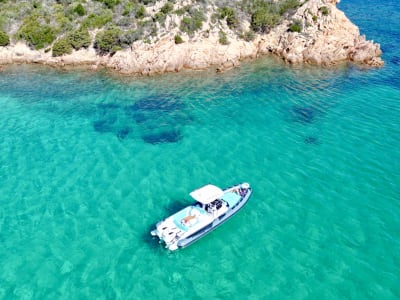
(62, 46)
(79, 38)
(167, 8)
(97, 21)
(109, 3)
(127, 9)
(145, 2)
(35, 34)
(193, 23)
(4, 38)
(160, 17)
(141, 12)
(262, 19)
(128, 37)
(314, 18)
(296, 26)
(178, 39)
(288, 5)
(80, 10)
(223, 39)
(108, 40)
(36, 4)
(230, 15)
(248, 36)
(324, 10)
(180, 11)
(64, 24)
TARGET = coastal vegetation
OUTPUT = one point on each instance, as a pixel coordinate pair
(111, 25)
(62, 46)
(4, 38)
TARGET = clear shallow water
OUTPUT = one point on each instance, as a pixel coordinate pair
(89, 162)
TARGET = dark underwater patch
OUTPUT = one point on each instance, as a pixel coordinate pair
(104, 125)
(303, 114)
(172, 136)
(123, 133)
(160, 117)
(312, 140)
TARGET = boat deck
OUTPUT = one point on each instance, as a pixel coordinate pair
(191, 218)
(231, 198)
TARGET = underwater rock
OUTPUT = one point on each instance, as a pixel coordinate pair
(104, 126)
(123, 133)
(162, 137)
(312, 140)
(304, 114)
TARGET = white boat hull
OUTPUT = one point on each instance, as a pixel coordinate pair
(179, 235)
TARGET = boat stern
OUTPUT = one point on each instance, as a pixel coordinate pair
(168, 233)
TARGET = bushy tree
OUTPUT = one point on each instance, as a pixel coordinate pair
(110, 3)
(97, 20)
(167, 8)
(193, 23)
(230, 15)
(263, 19)
(288, 5)
(108, 40)
(62, 46)
(4, 38)
(35, 34)
(141, 12)
(79, 38)
(80, 10)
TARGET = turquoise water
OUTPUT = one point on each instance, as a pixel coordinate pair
(90, 161)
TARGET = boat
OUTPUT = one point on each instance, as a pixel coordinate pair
(212, 207)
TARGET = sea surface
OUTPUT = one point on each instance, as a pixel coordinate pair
(89, 162)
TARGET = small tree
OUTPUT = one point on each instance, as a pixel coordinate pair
(141, 12)
(167, 8)
(79, 38)
(223, 39)
(194, 23)
(35, 34)
(80, 10)
(230, 15)
(296, 26)
(324, 10)
(107, 41)
(248, 36)
(288, 5)
(4, 38)
(178, 39)
(263, 19)
(62, 46)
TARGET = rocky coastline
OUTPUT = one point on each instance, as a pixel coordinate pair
(326, 39)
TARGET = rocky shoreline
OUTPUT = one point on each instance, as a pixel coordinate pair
(326, 39)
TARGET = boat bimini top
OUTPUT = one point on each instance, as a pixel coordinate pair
(207, 194)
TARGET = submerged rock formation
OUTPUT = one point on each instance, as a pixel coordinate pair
(323, 36)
